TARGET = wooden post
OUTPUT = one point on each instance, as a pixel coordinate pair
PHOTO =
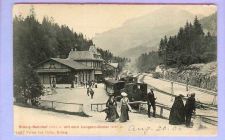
(214, 100)
(172, 88)
(52, 105)
(187, 81)
(172, 92)
(97, 107)
(91, 107)
(139, 107)
(161, 111)
(81, 108)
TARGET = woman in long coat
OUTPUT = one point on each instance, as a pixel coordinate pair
(177, 113)
(111, 104)
(125, 107)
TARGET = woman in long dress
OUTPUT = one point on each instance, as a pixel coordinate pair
(112, 112)
(125, 107)
(177, 113)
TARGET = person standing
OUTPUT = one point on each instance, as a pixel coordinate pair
(112, 112)
(53, 83)
(88, 91)
(151, 102)
(92, 93)
(89, 84)
(125, 107)
(189, 109)
(177, 112)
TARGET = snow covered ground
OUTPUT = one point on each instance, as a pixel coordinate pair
(178, 89)
(30, 121)
(75, 95)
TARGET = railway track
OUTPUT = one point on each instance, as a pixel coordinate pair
(213, 120)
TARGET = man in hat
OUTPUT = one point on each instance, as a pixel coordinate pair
(189, 109)
(151, 102)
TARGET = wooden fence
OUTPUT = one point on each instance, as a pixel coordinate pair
(63, 106)
(162, 111)
(100, 106)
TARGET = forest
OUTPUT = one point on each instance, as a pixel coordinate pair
(189, 46)
(34, 42)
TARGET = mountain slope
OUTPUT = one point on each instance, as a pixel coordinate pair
(143, 31)
(209, 23)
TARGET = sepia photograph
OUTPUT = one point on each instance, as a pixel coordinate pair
(115, 70)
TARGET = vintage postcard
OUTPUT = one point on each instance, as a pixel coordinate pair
(115, 70)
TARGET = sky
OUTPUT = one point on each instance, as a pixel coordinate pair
(91, 19)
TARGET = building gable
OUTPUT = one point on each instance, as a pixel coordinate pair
(52, 66)
(60, 65)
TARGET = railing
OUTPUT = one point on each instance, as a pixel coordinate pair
(61, 106)
(161, 107)
(208, 119)
(211, 92)
(164, 111)
(212, 107)
(99, 107)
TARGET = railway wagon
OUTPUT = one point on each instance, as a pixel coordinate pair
(114, 86)
(129, 79)
(136, 91)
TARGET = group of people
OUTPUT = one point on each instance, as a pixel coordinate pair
(90, 91)
(90, 85)
(111, 108)
(180, 113)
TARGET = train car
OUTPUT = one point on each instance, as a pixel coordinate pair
(114, 86)
(136, 91)
(129, 79)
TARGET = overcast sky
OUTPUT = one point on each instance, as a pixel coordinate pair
(90, 19)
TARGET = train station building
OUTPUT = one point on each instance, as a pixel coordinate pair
(79, 67)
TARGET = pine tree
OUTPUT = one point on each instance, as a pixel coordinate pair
(34, 42)
(189, 46)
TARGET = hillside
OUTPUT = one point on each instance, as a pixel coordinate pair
(200, 75)
(143, 31)
(209, 23)
(136, 51)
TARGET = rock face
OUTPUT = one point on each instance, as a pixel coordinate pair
(200, 75)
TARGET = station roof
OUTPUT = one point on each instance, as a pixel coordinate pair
(71, 63)
(67, 62)
(84, 55)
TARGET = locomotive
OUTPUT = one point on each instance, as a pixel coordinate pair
(135, 91)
